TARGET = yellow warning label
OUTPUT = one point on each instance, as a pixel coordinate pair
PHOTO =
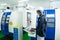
(10, 23)
(17, 26)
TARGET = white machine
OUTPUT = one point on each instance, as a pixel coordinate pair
(22, 17)
(31, 20)
(18, 21)
(1, 13)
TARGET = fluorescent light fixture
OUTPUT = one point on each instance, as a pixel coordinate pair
(3, 4)
(22, 0)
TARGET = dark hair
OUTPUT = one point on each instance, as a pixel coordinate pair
(39, 11)
(8, 7)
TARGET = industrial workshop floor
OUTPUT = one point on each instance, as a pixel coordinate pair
(25, 36)
(6, 37)
(10, 36)
(1, 35)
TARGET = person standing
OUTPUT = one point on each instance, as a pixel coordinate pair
(41, 26)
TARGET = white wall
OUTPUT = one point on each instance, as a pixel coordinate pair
(55, 4)
(57, 30)
(38, 3)
(44, 4)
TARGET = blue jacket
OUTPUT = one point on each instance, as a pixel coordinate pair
(41, 26)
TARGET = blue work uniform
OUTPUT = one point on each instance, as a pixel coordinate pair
(41, 26)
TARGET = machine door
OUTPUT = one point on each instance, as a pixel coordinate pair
(4, 22)
(50, 32)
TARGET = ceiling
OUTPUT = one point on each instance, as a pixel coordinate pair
(14, 2)
(35, 3)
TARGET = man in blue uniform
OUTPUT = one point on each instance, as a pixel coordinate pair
(41, 27)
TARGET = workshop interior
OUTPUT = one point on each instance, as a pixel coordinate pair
(18, 19)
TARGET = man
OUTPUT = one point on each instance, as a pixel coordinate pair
(41, 27)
